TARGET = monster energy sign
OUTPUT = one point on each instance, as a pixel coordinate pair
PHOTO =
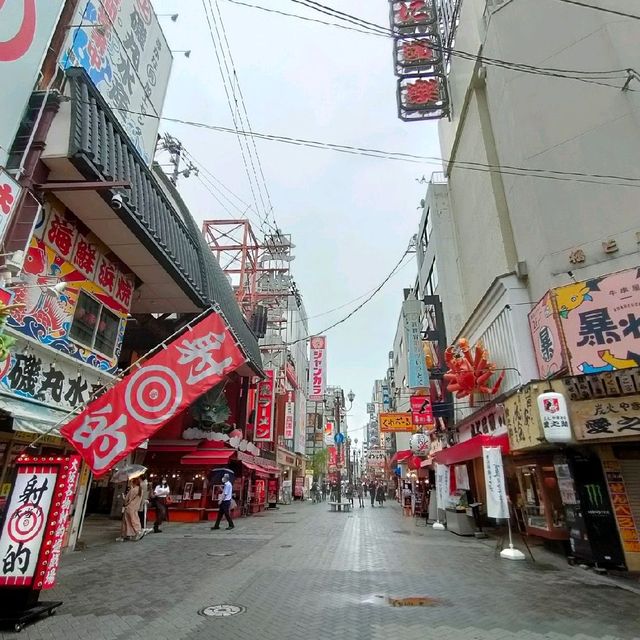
(594, 496)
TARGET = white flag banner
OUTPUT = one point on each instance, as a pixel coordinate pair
(442, 485)
(497, 505)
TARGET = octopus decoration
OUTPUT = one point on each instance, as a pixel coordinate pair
(469, 371)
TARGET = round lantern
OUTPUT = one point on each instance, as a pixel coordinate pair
(554, 417)
(420, 444)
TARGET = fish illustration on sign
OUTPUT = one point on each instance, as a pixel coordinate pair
(572, 296)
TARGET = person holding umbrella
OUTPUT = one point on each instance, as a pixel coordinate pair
(225, 503)
(131, 528)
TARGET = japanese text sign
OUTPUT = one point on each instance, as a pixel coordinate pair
(36, 520)
(422, 411)
(417, 374)
(376, 458)
(554, 417)
(547, 341)
(289, 415)
(600, 320)
(318, 368)
(264, 408)
(9, 194)
(25, 32)
(121, 46)
(395, 422)
(606, 418)
(497, 505)
(622, 507)
(138, 405)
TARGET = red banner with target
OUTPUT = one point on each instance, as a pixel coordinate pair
(138, 405)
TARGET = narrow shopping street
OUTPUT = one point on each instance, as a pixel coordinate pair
(302, 572)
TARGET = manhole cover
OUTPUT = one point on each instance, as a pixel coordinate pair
(413, 601)
(401, 533)
(286, 546)
(289, 513)
(222, 554)
(187, 535)
(222, 610)
(284, 522)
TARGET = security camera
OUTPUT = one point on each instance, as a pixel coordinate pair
(117, 201)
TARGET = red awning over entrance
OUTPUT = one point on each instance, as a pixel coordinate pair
(261, 471)
(208, 457)
(401, 456)
(172, 446)
(471, 449)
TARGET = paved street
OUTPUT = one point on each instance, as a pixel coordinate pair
(302, 572)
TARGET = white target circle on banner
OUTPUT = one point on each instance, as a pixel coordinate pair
(153, 394)
(25, 523)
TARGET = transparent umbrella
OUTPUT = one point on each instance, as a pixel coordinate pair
(128, 472)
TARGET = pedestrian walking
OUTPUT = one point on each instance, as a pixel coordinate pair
(144, 487)
(324, 491)
(380, 494)
(131, 527)
(225, 503)
(372, 492)
(349, 493)
(160, 498)
(360, 491)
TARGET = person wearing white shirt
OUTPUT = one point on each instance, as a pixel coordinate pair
(160, 495)
(225, 503)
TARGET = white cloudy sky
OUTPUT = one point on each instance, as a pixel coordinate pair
(351, 217)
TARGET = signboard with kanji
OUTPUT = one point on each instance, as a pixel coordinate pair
(147, 398)
(9, 194)
(121, 46)
(396, 422)
(417, 374)
(265, 402)
(25, 32)
(36, 520)
(422, 411)
(547, 340)
(317, 368)
(606, 418)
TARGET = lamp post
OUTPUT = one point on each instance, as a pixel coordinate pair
(338, 414)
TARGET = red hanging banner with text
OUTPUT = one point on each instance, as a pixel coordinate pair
(138, 405)
(264, 409)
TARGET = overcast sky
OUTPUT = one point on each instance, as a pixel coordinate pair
(351, 217)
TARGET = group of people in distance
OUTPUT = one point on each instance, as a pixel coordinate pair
(376, 490)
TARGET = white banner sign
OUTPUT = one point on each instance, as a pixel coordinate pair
(25, 32)
(318, 368)
(497, 505)
(121, 46)
(443, 484)
(289, 421)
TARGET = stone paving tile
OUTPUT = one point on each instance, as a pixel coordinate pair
(320, 575)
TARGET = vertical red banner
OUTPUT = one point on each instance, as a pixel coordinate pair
(264, 408)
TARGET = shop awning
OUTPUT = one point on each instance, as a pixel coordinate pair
(401, 456)
(471, 449)
(172, 446)
(261, 471)
(275, 470)
(208, 457)
(30, 417)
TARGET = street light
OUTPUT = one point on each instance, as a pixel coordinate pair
(338, 415)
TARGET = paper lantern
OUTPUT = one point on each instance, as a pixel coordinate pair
(420, 444)
(554, 417)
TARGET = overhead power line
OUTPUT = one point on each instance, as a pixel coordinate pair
(361, 305)
(615, 12)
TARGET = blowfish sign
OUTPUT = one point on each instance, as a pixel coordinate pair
(138, 405)
(26, 27)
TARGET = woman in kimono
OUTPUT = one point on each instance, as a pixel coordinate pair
(131, 529)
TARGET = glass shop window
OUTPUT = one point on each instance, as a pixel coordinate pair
(94, 326)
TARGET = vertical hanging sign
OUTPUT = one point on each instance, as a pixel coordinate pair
(289, 415)
(264, 409)
(318, 368)
(497, 505)
(417, 374)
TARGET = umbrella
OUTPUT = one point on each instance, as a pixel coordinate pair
(128, 472)
(215, 474)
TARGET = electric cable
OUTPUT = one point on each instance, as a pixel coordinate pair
(615, 12)
(225, 80)
(360, 306)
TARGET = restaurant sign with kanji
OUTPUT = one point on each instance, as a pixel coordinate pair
(606, 418)
(396, 422)
(36, 520)
(599, 325)
(147, 398)
(265, 403)
(317, 368)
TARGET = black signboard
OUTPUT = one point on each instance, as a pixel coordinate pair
(594, 512)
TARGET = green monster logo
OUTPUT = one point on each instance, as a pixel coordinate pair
(594, 493)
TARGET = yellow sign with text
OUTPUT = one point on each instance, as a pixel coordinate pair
(396, 422)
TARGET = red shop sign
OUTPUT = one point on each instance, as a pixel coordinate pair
(422, 411)
(264, 409)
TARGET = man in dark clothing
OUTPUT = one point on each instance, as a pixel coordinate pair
(372, 492)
